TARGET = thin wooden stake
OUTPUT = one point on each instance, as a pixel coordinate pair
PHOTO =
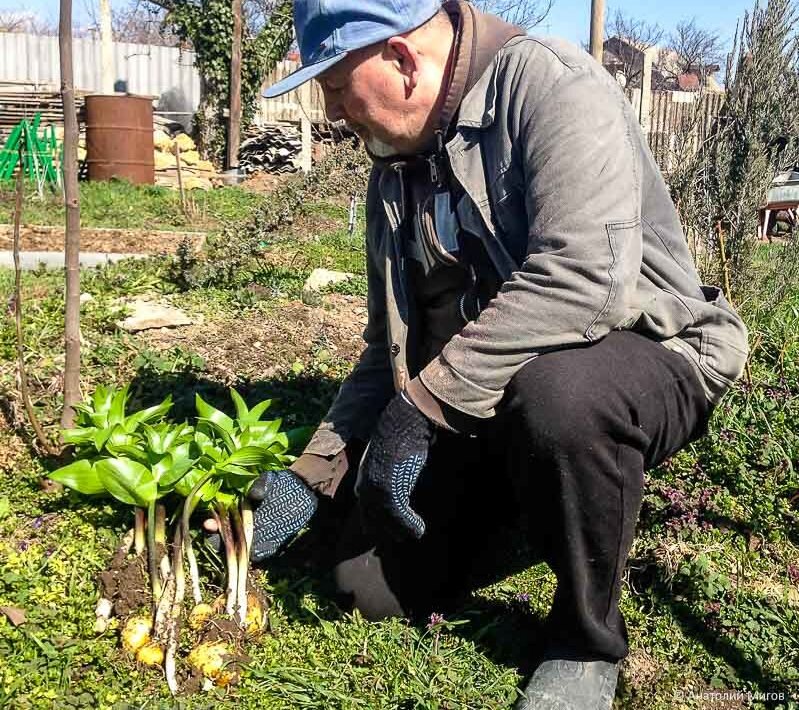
(181, 191)
(725, 269)
(23, 375)
(72, 232)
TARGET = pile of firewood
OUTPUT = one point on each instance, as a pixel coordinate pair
(180, 151)
(273, 149)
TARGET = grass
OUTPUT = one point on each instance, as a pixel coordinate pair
(711, 596)
(120, 204)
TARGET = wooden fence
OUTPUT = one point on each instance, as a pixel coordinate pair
(676, 122)
(303, 103)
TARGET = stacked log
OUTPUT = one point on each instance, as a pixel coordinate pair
(273, 149)
(18, 105)
(195, 173)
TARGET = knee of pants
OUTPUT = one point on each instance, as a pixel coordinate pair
(556, 415)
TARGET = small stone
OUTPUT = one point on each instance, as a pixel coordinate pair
(14, 614)
(85, 298)
(146, 315)
(320, 278)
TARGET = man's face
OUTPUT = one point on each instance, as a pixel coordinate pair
(387, 93)
(365, 93)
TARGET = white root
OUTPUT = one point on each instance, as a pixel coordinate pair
(247, 523)
(174, 616)
(163, 607)
(242, 562)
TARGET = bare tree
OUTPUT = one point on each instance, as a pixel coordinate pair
(692, 50)
(143, 23)
(628, 39)
(525, 13)
(25, 21)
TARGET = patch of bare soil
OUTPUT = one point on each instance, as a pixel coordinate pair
(125, 584)
(260, 345)
(640, 669)
(264, 183)
(105, 240)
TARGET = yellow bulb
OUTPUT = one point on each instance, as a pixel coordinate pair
(256, 619)
(199, 615)
(136, 633)
(151, 654)
(211, 659)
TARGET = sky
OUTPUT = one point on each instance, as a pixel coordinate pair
(569, 18)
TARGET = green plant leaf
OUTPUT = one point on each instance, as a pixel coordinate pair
(171, 470)
(238, 478)
(127, 480)
(101, 399)
(226, 436)
(100, 437)
(119, 437)
(280, 444)
(255, 414)
(241, 405)
(80, 476)
(147, 415)
(263, 433)
(228, 500)
(116, 412)
(207, 412)
(207, 492)
(248, 456)
(130, 451)
(79, 436)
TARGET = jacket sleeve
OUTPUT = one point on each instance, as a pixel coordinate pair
(370, 386)
(582, 196)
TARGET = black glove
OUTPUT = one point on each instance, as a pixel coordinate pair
(396, 455)
(285, 505)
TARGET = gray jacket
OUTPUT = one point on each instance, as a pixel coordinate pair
(563, 191)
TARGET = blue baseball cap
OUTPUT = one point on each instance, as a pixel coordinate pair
(328, 30)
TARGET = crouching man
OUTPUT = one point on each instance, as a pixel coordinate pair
(538, 335)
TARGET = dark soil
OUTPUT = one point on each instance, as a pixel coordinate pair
(125, 584)
(263, 345)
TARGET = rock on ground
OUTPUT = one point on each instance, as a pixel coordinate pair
(320, 278)
(146, 315)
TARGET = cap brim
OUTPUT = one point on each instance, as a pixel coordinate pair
(303, 74)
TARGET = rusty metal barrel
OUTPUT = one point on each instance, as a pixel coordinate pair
(119, 138)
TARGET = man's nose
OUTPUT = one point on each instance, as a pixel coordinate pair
(334, 109)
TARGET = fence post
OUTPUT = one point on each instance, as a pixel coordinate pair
(645, 106)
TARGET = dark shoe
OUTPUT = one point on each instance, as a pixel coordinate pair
(559, 684)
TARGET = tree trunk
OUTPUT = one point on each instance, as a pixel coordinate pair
(234, 120)
(72, 233)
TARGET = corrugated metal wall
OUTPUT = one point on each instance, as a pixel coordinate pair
(147, 69)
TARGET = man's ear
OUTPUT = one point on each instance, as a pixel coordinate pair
(406, 58)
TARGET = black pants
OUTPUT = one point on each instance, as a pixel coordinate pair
(565, 455)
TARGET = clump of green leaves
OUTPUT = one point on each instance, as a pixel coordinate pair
(154, 465)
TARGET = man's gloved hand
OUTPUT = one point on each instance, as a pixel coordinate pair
(396, 455)
(283, 506)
